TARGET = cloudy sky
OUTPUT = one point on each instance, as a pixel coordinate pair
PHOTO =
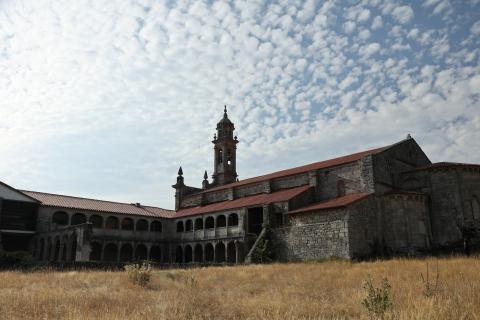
(106, 98)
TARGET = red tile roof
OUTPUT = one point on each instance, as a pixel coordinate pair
(447, 165)
(57, 200)
(258, 199)
(305, 168)
(333, 203)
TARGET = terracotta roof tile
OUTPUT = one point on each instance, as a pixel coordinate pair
(305, 168)
(333, 203)
(57, 200)
(258, 199)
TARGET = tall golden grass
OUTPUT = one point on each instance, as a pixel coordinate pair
(321, 290)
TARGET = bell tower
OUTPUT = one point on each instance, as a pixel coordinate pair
(225, 147)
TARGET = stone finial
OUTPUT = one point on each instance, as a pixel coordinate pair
(180, 171)
(205, 175)
(214, 136)
(225, 110)
(409, 136)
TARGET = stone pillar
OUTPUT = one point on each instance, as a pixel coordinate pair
(214, 252)
(149, 247)
(119, 248)
(266, 216)
(237, 255)
(226, 251)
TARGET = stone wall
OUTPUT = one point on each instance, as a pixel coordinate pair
(405, 223)
(391, 163)
(340, 180)
(364, 230)
(313, 236)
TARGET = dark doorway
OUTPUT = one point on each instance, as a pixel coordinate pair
(255, 220)
(15, 241)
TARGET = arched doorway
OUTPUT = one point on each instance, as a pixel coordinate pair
(156, 254)
(110, 252)
(231, 252)
(96, 252)
(220, 252)
(198, 256)
(126, 253)
(188, 253)
(141, 252)
(179, 254)
(209, 252)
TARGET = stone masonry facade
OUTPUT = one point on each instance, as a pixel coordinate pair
(385, 201)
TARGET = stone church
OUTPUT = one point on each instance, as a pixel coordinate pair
(387, 201)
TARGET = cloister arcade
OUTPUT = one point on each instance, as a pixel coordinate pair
(209, 222)
(210, 252)
(180, 242)
(61, 248)
(62, 218)
(125, 251)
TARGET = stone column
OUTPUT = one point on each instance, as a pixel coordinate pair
(266, 216)
(237, 255)
(119, 247)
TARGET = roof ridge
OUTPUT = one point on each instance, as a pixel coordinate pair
(245, 181)
(90, 199)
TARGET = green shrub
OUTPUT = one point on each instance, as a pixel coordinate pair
(139, 274)
(378, 300)
(430, 288)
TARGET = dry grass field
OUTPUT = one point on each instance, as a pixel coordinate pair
(323, 290)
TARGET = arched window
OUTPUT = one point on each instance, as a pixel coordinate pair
(198, 224)
(97, 221)
(229, 157)
(188, 225)
(233, 220)
(111, 223)
(60, 218)
(127, 224)
(156, 226)
(209, 223)
(180, 226)
(220, 156)
(221, 221)
(78, 218)
(142, 225)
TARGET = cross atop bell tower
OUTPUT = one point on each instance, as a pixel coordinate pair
(225, 147)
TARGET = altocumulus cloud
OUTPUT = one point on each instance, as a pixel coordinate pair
(107, 98)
